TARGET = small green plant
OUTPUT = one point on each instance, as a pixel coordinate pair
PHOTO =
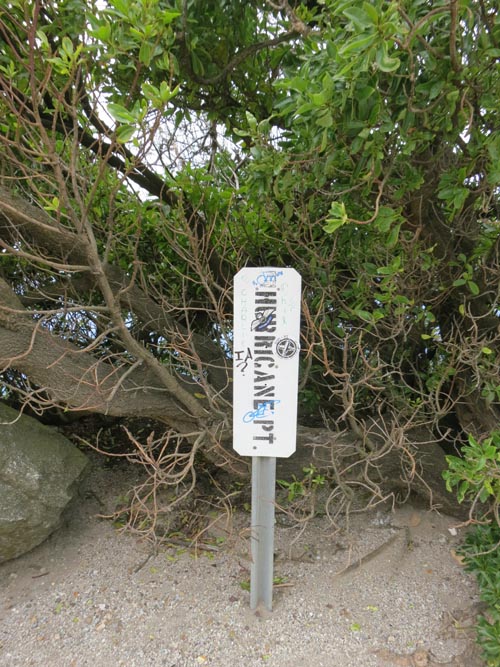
(482, 557)
(314, 477)
(295, 488)
(299, 487)
(476, 478)
(476, 475)
(277, 581)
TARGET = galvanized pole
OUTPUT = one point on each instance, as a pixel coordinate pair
(263, 497)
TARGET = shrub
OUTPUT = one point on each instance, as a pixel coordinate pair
(476, 478)
(482, 557)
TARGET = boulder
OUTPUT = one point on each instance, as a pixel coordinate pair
(39, 474)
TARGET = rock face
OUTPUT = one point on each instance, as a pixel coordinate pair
(39, 471)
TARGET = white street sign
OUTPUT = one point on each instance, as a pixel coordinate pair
(266, 348)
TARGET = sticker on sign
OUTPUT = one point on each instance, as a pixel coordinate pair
(266, 345)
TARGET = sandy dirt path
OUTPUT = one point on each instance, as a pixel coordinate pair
(389, 591)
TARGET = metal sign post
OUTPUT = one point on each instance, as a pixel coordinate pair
(263, 493)
(266, 345)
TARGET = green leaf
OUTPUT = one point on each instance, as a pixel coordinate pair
(364, 315)
(333, 224)
(484, 494)
(463, 487)
(324, 140)
(393, 237)
(372, 12)
(325, 120)
(125, 133)
(385, 62)
(145, 53)
(473, 287)
(43, 39)
(337, 217)
(197, 64)
(67, 46)
(150, 91)
(358, 44)
(299, 84)
(121, 6)
(169, 15)
(251, 120)
(166, 93)
(319, 99)
(385, 217)
(359, 17)
(120, 113)
(386, 270)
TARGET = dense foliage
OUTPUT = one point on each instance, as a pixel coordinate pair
(482, 557)
(150, 149)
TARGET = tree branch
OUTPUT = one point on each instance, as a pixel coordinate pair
(78, 380)
(21, 220)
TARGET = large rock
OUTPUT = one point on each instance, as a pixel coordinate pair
(39, 471)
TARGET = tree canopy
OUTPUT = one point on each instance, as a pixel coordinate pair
(151, 149)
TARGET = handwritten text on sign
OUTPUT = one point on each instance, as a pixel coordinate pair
(266, 360)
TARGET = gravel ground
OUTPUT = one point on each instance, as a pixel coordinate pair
(390, 591)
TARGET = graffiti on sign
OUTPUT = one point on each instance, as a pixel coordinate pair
(242, 358)
(267, 278)
(264, 409)
(265, 320)
(265, 359)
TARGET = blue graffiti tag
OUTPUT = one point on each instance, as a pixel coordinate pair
(265, 409)
(267, 278)
(265, 317)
